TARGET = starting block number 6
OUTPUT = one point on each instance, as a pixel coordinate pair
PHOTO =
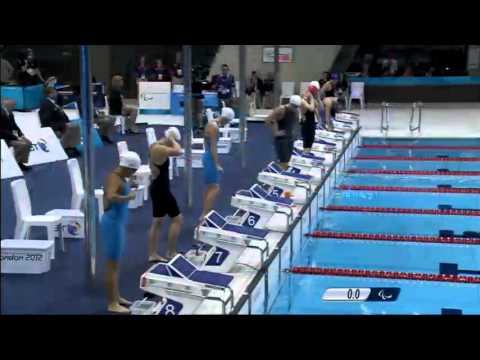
(252, 220)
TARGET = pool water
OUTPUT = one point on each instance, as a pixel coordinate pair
(303, 294)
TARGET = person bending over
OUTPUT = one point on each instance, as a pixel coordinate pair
(118, 108)
(13, 136)
(211, 164)
(283, 121)
(309, 111)
(163, 201)
(113, 225)
(329, 100)
(52, 115)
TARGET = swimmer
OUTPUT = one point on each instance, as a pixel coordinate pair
(163, 201)
(309, 110)
(282, 122)
(329, 100)
(211, 164)
(114, 223)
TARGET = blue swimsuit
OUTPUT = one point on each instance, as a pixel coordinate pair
(211, 175)
(113, 227)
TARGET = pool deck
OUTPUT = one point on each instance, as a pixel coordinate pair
(442, 120)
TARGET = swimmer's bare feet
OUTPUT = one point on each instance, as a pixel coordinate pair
(157, 258)
(171, 255)
(124, 302)
(117, 308)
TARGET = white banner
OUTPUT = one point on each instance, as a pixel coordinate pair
(9, 167)
(285, 55)
(154, 95)
(46, 147)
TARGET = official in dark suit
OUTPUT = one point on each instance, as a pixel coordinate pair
(52, 115)
(13, 136)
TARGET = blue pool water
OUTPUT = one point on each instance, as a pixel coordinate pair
(422, 142)
(420, 153)
(406, 199)
(302, 294)
(415, 165)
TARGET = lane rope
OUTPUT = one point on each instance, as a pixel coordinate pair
(414, 158)
(413, 172)
(394, 238)
(409, 189)
(421, 147)
(390, 275)
(457, 212)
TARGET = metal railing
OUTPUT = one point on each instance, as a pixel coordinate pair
(386, 109)
(339, 162)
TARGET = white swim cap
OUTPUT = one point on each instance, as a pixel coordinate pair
(228, 113)
(130, 159)
(295, 100)
(315, 84)
(173, 131)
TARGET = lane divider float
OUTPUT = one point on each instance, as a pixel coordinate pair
(380, 274)
(414, 158)
(410, 189)
(420, 147)
(458, 212)
(413, 172)
(394, 238)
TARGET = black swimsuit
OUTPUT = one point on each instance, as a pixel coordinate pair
(308, 129)
(163, 201)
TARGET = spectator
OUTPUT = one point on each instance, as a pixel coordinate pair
(118, 108)
(159, 72)
(52, 115)
(177, 78)
(141, 69)
(408, 71)
(28, 72)
(430, 72)
(390, 66)
(13, 136)
(224, 84)
(6, 71)
(255, 88)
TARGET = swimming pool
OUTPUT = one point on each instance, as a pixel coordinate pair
(354, 241)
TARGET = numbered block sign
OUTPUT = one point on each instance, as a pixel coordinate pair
(171, 307)
(277, 191)
(10, 168)
(252, 220)
(218, 257)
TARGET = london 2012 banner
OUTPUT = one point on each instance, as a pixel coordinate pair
(154, 104)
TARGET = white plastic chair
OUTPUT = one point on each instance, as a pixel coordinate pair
(78, 192)
(142, 174)
(288, 89)
(304, 86)
(151, 136)
(25, 219)
(357, 92)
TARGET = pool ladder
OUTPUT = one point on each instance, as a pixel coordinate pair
(385, 117)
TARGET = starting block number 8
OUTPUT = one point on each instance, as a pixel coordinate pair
(171, 308)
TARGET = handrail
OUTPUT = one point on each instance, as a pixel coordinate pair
(385, 116)
(419, 106)
(264, 269)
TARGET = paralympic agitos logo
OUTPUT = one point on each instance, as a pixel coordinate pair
(40, 144)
